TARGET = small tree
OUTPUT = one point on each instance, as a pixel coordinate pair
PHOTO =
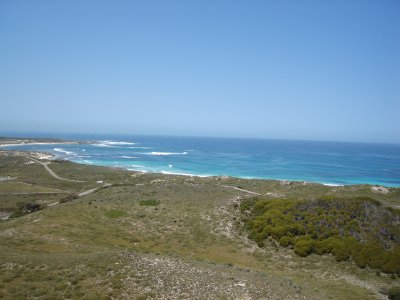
(284, 241)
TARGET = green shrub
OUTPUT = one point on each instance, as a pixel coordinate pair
(259, 237)
(23, 208)
(16, 214)
(341, 254)
(284, 241)
(394, 293)
(304, 246)
(68, 198)
(150, 202)
(279, 231)
(392, 264)
(360, 259)
(115, 213)
(323, 247)
(339, 248)
(27, 206)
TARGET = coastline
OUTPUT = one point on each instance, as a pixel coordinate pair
(73, 157)
(38, 143)
(49, 157)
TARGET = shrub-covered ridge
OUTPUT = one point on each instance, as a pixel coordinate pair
(358, 228)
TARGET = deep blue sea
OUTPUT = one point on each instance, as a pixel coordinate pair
(323, 162)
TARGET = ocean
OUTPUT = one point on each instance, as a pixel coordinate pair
(335, 163)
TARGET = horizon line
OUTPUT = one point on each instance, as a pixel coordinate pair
(28, 134)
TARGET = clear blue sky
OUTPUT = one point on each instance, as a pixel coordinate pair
(320, 70)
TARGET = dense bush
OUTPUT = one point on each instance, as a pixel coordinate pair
(359, 228)
(394, 293)
(69, 197)
(26, 207)
(304, 246)
(284, 241)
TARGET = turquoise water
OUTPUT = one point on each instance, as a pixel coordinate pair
(324, 162)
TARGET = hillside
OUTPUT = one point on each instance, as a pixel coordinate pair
(103, 233)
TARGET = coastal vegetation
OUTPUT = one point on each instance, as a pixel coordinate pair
(394, 293)
(115, 213)
(359, 228)
(149, 202)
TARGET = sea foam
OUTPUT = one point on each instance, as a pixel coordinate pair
(112, 144)
(116, 143)
(181, 174)
(64, 151)
(137, 147)
(164, 153)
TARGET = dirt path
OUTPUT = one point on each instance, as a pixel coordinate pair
(79, 195)
(85, 193)
(52, 173)
(240, 189)
(93, 190)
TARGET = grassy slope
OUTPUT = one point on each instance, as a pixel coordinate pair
(22, 187)
(108, 244)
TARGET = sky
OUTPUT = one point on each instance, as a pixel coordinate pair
(311, 70)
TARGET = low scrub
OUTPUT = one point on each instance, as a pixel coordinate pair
(394, 293)
(358, 228)
(115, 213)
(68, 198)
(22, 208)
(150, 202)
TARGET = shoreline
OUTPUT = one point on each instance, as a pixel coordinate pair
(282, 181)
(44, 143)
(50, 156)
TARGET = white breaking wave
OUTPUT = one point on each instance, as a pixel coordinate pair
(87, 161)
(116, 143)
(165, 153)
(112, 144)
(103, 145)
(124, 156)
(137, 166)
(107, 145)
(141, 171)
(139, 147)
(64, 151)
(182, 174)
